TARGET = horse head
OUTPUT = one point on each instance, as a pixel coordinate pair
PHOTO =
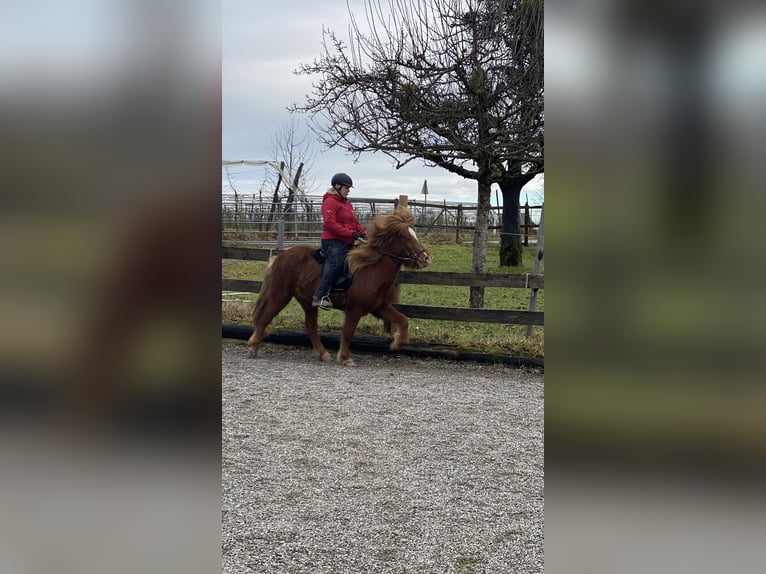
(394, 235)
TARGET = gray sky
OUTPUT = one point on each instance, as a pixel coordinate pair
(263, 43)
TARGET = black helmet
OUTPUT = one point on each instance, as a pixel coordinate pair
(341, 179)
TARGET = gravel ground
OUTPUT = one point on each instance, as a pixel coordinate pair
(398, 465)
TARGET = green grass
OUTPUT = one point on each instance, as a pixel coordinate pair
(481, 337)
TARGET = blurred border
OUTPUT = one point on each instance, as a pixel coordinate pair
(655, 435)
(109, 346)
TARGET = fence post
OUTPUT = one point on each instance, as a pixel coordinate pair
(280, 234)
(402, 202)
(458, 222)
(527, 223)
(540, 242)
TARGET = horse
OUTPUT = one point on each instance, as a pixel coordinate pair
(374, 265)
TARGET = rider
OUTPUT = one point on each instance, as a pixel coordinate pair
(340, 230)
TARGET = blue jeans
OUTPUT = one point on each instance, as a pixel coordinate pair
(335, 250)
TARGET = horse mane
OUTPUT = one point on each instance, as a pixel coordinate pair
(383, 230)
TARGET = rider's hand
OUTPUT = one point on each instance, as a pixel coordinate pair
(359, 239)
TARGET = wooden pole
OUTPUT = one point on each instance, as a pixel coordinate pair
(280, 234)
(498, 212)
(275, 201)
(538, 259)
(458, 222)
(291, 199)
(402, 202)
(527, 223)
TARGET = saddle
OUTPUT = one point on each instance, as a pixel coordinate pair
(343, 282)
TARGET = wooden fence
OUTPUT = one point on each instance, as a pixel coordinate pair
(525, 281)
(302, 220)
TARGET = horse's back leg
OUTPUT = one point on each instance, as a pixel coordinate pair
(268, 306)
(312, 327)
(402, 333)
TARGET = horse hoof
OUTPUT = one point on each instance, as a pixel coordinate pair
(252, 352)
(325, 357)
(349, 363)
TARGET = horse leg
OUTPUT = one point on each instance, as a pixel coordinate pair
(259, 332)
(267, 307)
(312, 328)
(349, 326)
(402, 334)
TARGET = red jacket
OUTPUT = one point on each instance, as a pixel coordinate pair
(339, 218)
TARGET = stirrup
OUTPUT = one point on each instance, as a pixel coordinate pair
(324, 303)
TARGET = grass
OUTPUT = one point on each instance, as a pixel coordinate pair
(451, 257)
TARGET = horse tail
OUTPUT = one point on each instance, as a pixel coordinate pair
(264, 294)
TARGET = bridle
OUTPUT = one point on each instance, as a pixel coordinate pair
(407, 256)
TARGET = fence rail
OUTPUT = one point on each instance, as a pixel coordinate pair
(518, 281)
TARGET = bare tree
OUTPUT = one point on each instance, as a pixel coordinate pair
(296, 149)
(455, 83)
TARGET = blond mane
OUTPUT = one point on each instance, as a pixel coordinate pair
(383, 230)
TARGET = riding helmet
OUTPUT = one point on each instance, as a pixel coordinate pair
(341, 179)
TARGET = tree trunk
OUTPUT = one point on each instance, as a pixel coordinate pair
(480, 241)
(511, 182)
(510, 237)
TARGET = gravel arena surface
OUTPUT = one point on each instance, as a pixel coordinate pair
(397, 465)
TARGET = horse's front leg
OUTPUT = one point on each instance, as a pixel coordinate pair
(402, 333)
(312, 328)
(349, 327)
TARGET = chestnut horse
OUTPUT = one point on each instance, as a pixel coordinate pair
(391, 244)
